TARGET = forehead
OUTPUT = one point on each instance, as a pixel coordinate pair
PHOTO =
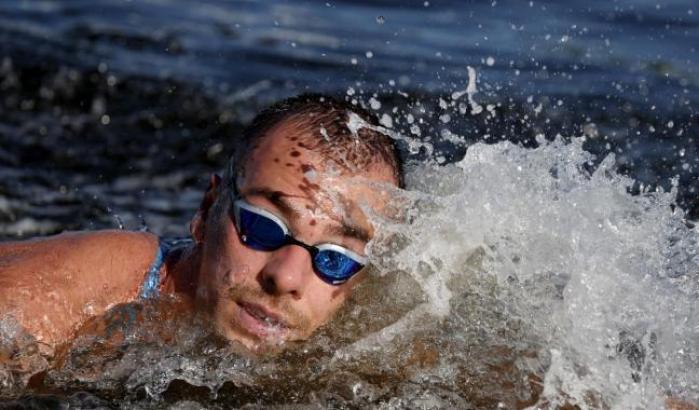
(285, 160)
(288, 150)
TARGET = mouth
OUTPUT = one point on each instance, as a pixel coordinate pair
(261, 322)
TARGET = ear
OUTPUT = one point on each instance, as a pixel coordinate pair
(198, 224)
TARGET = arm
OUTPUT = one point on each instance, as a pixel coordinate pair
(51, 285)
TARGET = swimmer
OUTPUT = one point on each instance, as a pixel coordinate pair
(276, 245)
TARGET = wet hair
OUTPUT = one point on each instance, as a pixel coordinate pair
(319, 123)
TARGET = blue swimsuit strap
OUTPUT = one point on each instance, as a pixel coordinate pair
(151, 284)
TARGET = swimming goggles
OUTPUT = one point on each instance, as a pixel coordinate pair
(261, 230)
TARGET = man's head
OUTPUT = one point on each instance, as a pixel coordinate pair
(314, 164)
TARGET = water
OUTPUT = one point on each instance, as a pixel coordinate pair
(529, 268)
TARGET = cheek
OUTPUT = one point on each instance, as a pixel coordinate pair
(234, 275)
(238, 264)
(227, 262)
(332, 299)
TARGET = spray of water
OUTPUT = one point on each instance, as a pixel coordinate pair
(605, 281)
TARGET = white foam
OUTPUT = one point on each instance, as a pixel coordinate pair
(598, 273)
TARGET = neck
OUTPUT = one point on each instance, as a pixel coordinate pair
(181, 271)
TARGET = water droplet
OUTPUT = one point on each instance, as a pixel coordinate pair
(386, 121)
(415, 130)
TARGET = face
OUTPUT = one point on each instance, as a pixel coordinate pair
(266, 298)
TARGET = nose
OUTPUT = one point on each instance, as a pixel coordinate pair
(287, 272)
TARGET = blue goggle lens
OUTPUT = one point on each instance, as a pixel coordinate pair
(262, 233)
(335, 267)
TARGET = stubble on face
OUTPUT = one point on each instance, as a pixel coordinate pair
(299, 325)
(233, 301)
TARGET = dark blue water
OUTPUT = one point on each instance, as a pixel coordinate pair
(539, 47)
(585, 48)
(92, 89)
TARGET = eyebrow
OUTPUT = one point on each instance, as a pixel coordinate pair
(281, 201)
(278, 198)
(350, 230)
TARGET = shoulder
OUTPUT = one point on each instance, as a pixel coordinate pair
(99, 250)
(135, 245)
(52, 284)
(70, 243)
(111, 252)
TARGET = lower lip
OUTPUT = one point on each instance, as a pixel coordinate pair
(258, 327)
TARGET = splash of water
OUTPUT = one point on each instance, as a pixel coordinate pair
(470, 91)
(606, 281)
